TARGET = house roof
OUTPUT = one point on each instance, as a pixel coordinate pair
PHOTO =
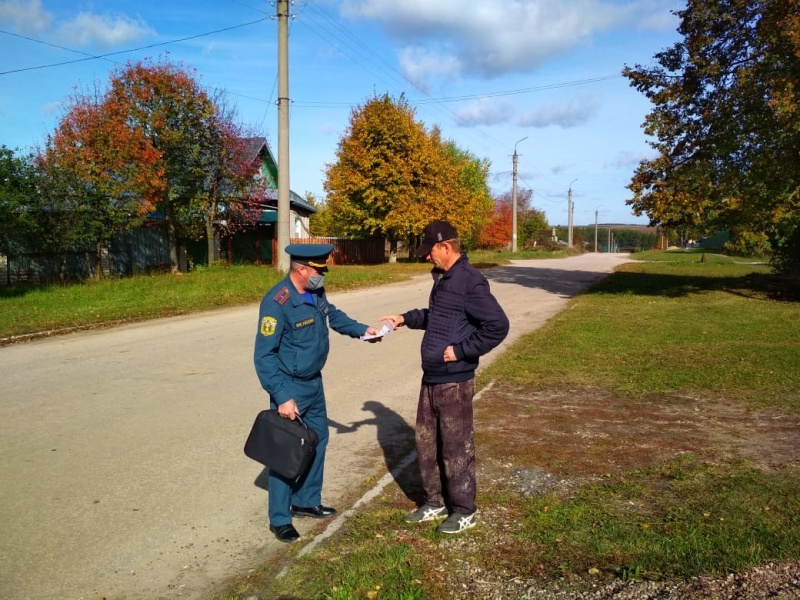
(260, 147)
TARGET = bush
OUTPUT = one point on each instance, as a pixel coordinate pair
(748, 243)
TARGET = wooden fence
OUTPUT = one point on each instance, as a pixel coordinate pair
(350, 252)
(138, 251)
(143, 250)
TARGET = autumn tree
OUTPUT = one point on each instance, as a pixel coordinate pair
(99, 175)
(175, 117)
(496, 232)
(231, 196)
(471, 186)
(392, 176)
(726, 123)
(154, 143)
(323, 222)
(531, 223)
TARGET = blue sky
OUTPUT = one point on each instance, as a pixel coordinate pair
(488, 73)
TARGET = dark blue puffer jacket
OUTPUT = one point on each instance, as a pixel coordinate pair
(461, 312)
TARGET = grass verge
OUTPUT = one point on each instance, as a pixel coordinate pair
(650, 432)
(35, 309)
(52, 308)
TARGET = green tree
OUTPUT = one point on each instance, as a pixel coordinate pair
(18, 225)
(323, 222)
(726, 123)
(392, 176)
(472, 186)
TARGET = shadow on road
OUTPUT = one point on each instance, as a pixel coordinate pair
(556, 281)
(396, 439)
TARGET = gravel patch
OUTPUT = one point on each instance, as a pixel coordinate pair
(777, 581)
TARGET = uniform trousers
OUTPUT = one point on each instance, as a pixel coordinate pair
(307, 491)
(446, 446)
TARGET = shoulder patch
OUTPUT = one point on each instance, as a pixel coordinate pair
(282, 296)
(268, 326)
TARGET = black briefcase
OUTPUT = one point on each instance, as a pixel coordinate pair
(285, 446)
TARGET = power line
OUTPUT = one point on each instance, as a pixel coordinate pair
(530, 90)
(104, 56)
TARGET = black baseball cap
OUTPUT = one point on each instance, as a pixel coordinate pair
(437, 231)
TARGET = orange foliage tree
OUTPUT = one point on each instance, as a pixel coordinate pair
(392, 176)
(98, 173)
(497, 231)
(531, 223)
(154, 142)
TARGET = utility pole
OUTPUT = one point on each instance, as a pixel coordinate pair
(596, 210)
(284, 206)
(514, 199)
(570, 210)
(609, 239)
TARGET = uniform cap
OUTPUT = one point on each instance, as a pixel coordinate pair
(437, 231)
(314, 255)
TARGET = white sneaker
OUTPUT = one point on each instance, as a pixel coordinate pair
(426, 512)
(456, 523)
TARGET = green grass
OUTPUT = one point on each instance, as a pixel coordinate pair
(679, 519)
(32, 309)
(367, 567)
(670, 326)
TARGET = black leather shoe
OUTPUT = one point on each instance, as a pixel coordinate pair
(318, 512)
(285, 533)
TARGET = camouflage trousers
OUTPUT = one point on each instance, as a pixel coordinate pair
(445, 445)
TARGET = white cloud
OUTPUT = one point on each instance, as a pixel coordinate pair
(330, 129)
(629, 160)
(420, 63)
(484, 111)
(106, 31)
(490, 39)
(85, 29)
(572, 114)
(25, 16)
(209, 49)
(51, 108)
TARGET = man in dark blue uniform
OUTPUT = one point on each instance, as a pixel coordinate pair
(291, 348)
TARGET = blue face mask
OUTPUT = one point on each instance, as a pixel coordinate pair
(315, 282)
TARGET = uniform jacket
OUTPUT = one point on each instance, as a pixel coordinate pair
(292, 340)
(461, 312)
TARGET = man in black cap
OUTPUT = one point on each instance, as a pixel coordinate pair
(291, 349)
(463, 322)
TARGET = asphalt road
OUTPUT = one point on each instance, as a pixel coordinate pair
(121, 465)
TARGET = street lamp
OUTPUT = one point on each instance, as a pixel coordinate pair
(514, 199)
(570, 210)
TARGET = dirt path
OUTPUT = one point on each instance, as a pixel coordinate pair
(121, 450)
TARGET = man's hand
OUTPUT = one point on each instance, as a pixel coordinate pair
(449, 354)
(395, 320)
(373, 331)
(288, 410)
